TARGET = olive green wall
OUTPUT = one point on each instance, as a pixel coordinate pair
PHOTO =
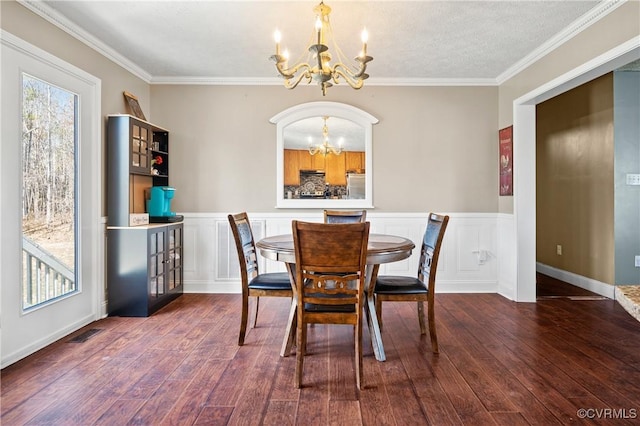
(575, 181)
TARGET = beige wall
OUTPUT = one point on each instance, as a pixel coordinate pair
(435, 148)
(575, 181)
(448, 135)
(22, 23)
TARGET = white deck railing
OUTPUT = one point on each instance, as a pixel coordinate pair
(45, 278)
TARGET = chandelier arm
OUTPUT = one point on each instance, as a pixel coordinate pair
(350, 79)
(293, 81)
(291, 72)
(345, 69)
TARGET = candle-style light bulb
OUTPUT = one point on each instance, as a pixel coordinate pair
(277, 37)
(319, 28)
(365, 38)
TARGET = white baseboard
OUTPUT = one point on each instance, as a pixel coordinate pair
(227, 287)
(475, 286)
(8, 359)
(586, 283)
(445, 286)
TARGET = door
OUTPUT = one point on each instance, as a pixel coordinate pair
(174, 260)
(50, 193)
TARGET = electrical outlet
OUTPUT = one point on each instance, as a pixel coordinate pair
(633, 179)
(559, 250)
(637, 261)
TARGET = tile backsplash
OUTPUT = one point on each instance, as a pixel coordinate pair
(338, 191)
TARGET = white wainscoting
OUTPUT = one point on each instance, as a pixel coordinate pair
(469, 261)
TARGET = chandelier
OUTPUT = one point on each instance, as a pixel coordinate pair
(325, 147)
(318, 67)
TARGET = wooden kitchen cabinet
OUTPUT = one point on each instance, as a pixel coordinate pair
(335, 172)
(334, 166)
(304, 160)
(310, 162)
(354, 160)
(291, 161)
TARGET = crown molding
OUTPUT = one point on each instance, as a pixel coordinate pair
(381, 81)
(41, 9)
(276, 81)
(579, 25)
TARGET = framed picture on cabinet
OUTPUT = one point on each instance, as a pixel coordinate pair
(132, 101)
(506, 160)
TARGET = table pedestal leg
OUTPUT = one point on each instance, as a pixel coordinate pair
(290, 333)
(370, 310)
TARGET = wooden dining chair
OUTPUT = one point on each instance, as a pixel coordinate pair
(330, 278)
(421, 288)
(254, 284)
(345, 216)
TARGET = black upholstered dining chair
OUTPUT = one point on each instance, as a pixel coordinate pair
(345, 216)
(421, 288)
(254, 284)
(330, 279)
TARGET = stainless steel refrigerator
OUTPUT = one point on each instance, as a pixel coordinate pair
(355, 186)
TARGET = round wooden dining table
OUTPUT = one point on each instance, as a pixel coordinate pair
(382, 248)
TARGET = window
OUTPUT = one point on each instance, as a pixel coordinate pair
(49, 122)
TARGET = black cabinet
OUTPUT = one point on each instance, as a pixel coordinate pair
(145, 268)
(137, 158)
(144, 263)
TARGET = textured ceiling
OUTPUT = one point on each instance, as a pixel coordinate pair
(468, 42)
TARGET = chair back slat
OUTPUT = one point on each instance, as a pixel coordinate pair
(330, 277)
(345, 216)
(330, 261)
(245, 246)
(430, 250)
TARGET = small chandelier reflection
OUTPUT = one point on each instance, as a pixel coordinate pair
(325, 147)
(318, 67)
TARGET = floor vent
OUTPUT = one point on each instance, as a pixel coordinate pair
(83, 337)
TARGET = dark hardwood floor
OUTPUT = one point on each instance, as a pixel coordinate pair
(548, 287)
(500, 362)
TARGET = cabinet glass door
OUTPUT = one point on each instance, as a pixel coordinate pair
(175, 257)
(157, 262)
(140, 148)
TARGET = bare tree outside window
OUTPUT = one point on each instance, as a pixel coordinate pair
(48, 191)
